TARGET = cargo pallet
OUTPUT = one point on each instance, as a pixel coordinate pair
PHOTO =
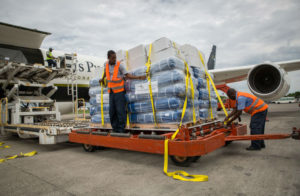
(191, 142)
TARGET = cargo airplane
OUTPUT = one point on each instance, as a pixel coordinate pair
(268, 80)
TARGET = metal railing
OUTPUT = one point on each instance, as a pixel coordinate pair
(76, 110)
(6, 111)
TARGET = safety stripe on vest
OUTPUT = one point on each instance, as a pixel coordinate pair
(114, 81)
(262, 105)
(115, 88)
(253, 105)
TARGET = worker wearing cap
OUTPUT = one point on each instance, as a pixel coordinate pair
(50, 58)
(254, 106)
(115, 72)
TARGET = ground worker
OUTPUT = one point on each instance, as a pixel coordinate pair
(50, 58)
(115, 72)
(254, 106)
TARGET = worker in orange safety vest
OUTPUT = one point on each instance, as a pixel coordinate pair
(254, 106)
(115, 72)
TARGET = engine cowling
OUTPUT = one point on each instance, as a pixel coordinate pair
(268, 81)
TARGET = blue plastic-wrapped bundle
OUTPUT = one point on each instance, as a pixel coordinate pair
(95, 82)
(96, 109)
(198, 72)
(158, 80)
(204, 94)
(167, 116)
(201, 83)
(160, 104)
(204, 113)
(96, 100)
(170, 63)
(97, 90)
(176, 90)
(168, 81)
(95, 95)
(97, 118)
(205, 103)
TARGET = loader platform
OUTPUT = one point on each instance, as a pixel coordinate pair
(191, 142)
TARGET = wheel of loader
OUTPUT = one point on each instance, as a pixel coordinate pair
(182, 161)
(88, 147)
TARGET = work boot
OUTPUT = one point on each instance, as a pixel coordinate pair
(251, 148)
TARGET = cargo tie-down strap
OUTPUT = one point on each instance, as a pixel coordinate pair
(127, 61)
(209, 99)
(188, 79)
(29, 154)
(2, 146)
(180, 174)
(102, 117)
(212, 83)
(148, 74)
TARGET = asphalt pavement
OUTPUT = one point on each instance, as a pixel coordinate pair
(66, 169)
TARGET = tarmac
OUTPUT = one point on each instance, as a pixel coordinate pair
(66, 169)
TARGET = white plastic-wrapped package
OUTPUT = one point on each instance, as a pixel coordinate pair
(161, 44)
(191, 55)
(121, 56)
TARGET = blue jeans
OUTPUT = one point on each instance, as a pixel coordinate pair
(257, 126)
(51, 63)
(117, 111)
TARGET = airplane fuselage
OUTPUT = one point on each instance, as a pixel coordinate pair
(85, 68)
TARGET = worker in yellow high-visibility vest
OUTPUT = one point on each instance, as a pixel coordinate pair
(50, 58)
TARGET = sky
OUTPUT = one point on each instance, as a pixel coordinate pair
(245, 31)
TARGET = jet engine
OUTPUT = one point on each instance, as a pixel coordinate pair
(268, 81)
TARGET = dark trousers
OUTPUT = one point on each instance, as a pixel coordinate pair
(117, 111)
(51, 63)
(257, 126)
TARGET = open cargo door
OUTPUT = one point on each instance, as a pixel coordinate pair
(20, 36)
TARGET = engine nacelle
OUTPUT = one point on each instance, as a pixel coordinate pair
(268, 81)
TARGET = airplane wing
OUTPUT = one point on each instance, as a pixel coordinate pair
(236, 74)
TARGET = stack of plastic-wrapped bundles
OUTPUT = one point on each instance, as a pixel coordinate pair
(168, 82)
(207, 100)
